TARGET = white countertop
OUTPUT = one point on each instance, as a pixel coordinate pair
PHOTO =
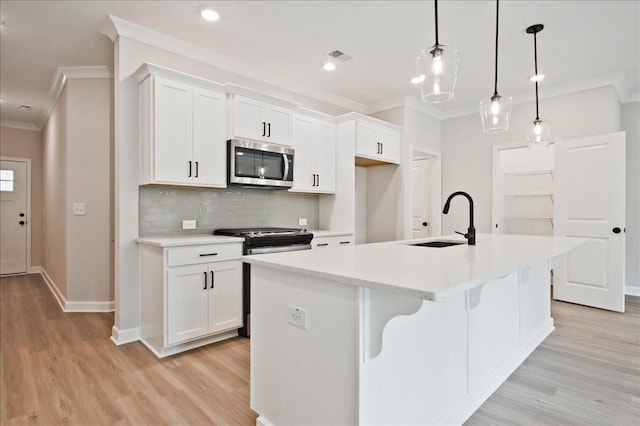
(188, 240)
(424, 272)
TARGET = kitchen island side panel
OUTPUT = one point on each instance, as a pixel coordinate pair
(303, 376)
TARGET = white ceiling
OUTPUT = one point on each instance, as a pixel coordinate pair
(583, 42)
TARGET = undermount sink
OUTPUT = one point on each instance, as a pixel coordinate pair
(438, 244)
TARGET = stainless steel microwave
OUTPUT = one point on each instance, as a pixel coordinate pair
(253, 163)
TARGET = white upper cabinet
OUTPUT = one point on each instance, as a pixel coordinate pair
(258, 120)
(182, 129)
(314, 167)
(377, 142)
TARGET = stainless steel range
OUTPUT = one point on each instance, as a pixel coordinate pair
(261, 241)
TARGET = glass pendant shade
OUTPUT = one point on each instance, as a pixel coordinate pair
(538, 133)
(495, 113)
(438, 72)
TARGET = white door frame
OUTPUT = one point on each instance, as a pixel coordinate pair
(435, 190)
(29, 218)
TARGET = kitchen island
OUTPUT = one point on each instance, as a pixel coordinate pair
(394, 333)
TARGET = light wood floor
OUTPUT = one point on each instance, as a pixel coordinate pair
(58, 368)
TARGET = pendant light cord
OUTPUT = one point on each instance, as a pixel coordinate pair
(495, 87)
(436, 3)
(535, 58)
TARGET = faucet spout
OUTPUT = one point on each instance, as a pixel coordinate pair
(471, 230)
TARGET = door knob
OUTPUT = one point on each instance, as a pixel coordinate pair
(21, 222)
(425, 223)
(616, 230)
(21, 214)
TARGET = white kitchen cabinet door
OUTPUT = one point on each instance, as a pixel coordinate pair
(209, 147)
(248, 118)
(172, 132)
(324, 156)
(332, 241)
(377, 143)
(187, 303)
(303, 174)
(367, 144)
(279, 121)
(225, 296)
(261, 121)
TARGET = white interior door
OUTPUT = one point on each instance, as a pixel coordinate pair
(420, 216)
(590, 203)
(13, 217)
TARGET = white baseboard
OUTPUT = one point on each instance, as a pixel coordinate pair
(261, 421)
(75, 306)
(34, 270)
(120, 337)
(57, 294)
(632, 290)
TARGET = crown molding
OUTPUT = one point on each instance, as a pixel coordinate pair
(60, 78)
(631, 97)
(20, 125)
(115, 27)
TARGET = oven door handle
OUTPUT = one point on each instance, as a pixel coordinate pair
(278, 249)
(286, 166)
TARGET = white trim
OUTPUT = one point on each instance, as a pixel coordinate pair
(176, 349)
(121, 337)
(71, 306)
(34, 270)
(115, 27)
(631, 97)
(262, 421)
(26, 161)
(19, 125)
(60, 78)
(57, 294)
(632, 290)
(75, 306)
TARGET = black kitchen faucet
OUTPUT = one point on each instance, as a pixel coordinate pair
(471, 231)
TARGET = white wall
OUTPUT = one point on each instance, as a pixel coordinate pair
(631, 125)
(467, 152)
(76, 169)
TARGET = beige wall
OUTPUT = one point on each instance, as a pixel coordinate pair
(54, 196)
(19, 143)
(77, 162)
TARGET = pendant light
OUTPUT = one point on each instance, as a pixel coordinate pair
(437, 70)
(538, 132)
(495, 111)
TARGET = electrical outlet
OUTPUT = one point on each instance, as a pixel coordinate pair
(188, 224)
(297, 317)
(302, 221)
(79, 209)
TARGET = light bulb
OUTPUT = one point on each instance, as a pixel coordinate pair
(537, 77)
(436, 87)
(494, 120)
(537, 129)
(209, 14)
(495, 107)
(437, 65)
(418, 79)
(329, 66)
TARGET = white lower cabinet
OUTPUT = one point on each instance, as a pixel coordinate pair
(190, 295)
(203, 299)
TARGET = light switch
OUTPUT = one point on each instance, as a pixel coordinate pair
(78, 209)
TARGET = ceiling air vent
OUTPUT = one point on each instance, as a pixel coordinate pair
(338, 54)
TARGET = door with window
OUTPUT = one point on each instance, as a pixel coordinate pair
(13, 217)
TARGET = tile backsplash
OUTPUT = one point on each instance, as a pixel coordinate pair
(162, 209)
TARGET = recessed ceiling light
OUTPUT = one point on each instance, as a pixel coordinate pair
(418, 79)
(329, 66)
(537, 77)
(210, 14)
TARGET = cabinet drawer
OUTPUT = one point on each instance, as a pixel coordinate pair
(205, 253)
(332, 241)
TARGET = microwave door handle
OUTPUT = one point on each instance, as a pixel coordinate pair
(286, 166)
